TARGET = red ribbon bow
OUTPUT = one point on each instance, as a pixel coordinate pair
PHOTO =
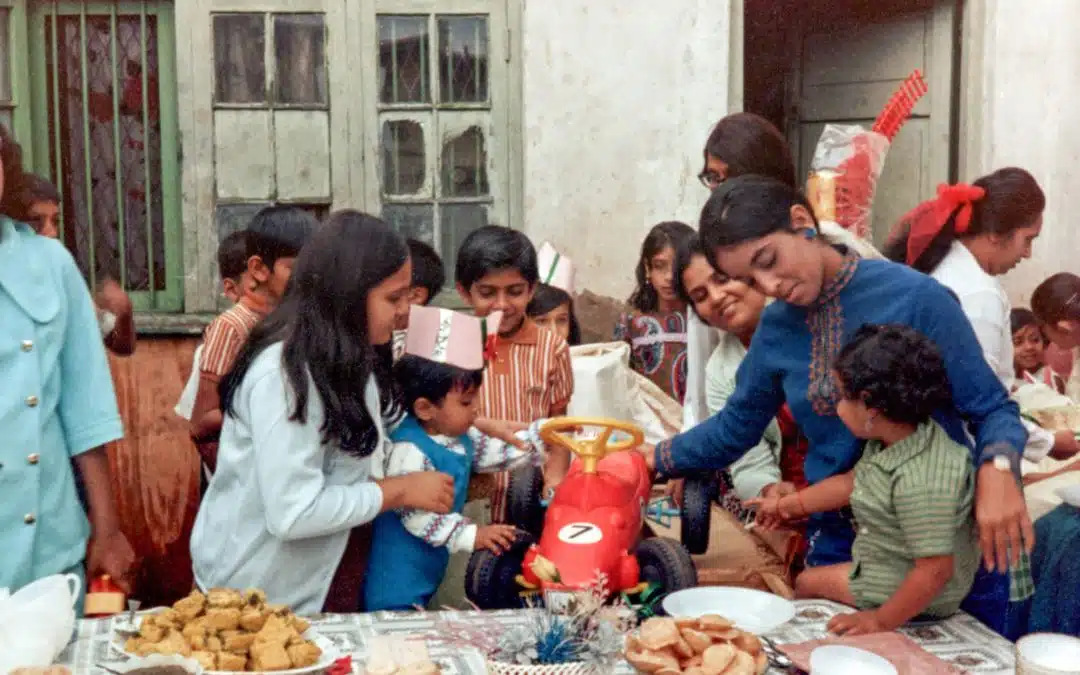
(490, 345)
(342, 666)
(927, 219)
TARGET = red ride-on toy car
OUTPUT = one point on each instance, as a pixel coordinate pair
(592, 525)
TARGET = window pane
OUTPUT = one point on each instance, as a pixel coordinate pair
(457, 221)
(300, 46)
(5, 54)
(235, 217)
(404, 45)
(464, 164)
(239, 58)
(463, 59)
(412, 220)
(403, 162)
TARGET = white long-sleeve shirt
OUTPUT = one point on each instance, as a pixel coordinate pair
(279, 508)
(988, 309)
(491, 455)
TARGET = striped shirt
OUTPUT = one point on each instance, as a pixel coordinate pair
(530, 378)
(913, 500)
(225, 336)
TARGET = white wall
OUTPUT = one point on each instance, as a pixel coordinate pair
(1023, 109)
(619, 98)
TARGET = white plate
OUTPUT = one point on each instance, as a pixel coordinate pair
(1048, 653)
(329, 651)
(1070, 494)
(840, 660)
(752, 611)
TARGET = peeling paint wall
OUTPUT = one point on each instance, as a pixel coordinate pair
(617, 105)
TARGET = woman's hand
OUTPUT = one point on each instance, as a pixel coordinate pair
(424, 490)
(1004, 524)
(111, 554)
(502, 430)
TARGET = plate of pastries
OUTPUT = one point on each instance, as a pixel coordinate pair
(706, 645)
(227, 631)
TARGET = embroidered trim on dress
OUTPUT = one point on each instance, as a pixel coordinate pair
(825, 319)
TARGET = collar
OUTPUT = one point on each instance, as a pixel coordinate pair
(841, 279)
(26, 270)
(528, 334)
(891, 458)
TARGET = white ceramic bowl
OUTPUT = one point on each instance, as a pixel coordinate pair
(840, 660)
(1048, 654)
(1070, 494)
(752, 611)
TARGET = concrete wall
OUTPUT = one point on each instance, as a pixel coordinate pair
(1020, 107)
(617, 105)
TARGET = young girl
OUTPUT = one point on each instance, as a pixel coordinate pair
(1056, 303)
(656, 328)
(911, 492)
(1029, 351)
(295, 455)
(552, 305)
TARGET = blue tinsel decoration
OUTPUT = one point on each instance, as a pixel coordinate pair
(556, 645)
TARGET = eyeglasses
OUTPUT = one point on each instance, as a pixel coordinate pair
(710, 179)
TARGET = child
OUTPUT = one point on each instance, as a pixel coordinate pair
(1029, 351)
(37, 203)
(274, 239)
(439, 376)
(530, 377)
(1056, 304)
(916, 550)
(656, 328)
(552, 306)
(428, 279)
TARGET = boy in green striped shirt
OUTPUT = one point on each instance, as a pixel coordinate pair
(911, 492)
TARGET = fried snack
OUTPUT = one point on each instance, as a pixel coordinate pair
(50, 670)
(227, 630)
(709, 645)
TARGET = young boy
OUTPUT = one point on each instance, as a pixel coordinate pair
(274, 239)
(439, 376)
(530, 377)
(428, 279)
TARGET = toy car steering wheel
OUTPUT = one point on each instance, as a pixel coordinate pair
(592, 450)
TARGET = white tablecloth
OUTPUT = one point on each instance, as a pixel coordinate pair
(960, 640)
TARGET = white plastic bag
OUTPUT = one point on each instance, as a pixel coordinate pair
(606, 386)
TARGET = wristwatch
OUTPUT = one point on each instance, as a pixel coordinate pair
(1005, 459)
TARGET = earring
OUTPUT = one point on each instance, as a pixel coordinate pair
(810, 233)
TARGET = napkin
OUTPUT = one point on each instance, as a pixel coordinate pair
(904, 653)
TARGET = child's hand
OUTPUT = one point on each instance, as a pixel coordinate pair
(774, 510)
(495, 538)
(112, 298)
(859, 623)
(424, 490)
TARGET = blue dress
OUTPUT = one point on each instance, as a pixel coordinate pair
(790, 359)
(57, 402)
(403, 570)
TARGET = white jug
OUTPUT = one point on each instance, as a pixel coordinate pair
(37, 621)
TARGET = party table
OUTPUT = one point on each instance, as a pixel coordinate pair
(960, 640)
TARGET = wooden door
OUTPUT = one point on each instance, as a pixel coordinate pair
(846, 72)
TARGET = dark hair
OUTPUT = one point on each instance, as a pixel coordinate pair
(11, 156)
(684, 255)
(1020, 318)
(1057, 299)
(492, 248)
(547, 298)
(427, 268)
(232, 255)
(750, 144)
(33, 189)
(662, 235)
(417, 378)
(746, 208)
(1013, 200)
(322, 321)
(279, 232)
(896, 370)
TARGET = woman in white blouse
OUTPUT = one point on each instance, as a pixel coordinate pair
(307, 409)
(967, 237)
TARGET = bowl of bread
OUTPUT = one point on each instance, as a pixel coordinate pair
(227, 631)
(706, 645)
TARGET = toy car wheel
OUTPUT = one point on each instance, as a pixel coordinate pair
(523, 496)
(490, 579)
(695, 514)
(666, 562)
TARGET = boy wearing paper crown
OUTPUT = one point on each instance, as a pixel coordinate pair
(439, 375)
(552, 305)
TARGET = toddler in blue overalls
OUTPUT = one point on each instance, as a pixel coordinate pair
(438, 375)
